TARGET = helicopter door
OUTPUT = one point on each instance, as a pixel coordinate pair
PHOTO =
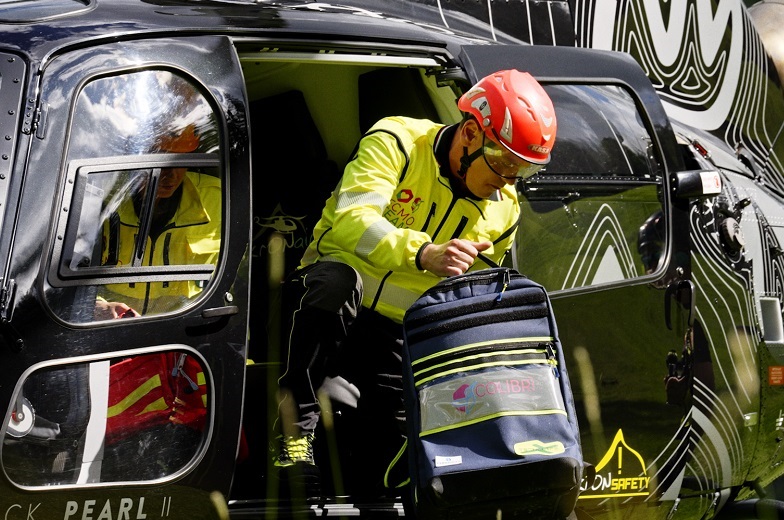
(131, 299)
(599, 229)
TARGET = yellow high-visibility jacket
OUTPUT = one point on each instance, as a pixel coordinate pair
(390, 202)
(191, 237)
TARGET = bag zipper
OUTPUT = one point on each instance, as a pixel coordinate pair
(506, 280)
(466, 360)
(482, 276)
(538, 344)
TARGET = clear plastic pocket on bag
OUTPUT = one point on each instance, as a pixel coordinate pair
(469, 397)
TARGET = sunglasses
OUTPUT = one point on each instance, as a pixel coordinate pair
(504, 163)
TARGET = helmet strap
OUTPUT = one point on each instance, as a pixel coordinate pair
(466, 160)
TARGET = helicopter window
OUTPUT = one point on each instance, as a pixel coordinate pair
(151, 111)
(141, 231)
(594, 215)
(604, 121)
(132, 418)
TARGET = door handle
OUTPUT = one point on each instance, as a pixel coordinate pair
(214, 312)
(684, 293)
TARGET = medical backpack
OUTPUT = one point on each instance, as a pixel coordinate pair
(490, 415)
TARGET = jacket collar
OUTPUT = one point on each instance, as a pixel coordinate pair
(441, 147)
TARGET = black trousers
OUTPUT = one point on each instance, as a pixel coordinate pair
(328, 333)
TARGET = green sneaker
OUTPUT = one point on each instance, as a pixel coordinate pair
(296, 467)
(294, 450)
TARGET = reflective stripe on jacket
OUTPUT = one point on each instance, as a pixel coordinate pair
(191, 237)
(391, 201)
(152, 390)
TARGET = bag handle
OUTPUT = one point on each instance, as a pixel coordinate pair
(394, 463)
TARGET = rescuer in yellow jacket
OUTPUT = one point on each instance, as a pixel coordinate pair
(386, 211)
(185, 229)
(419, 201)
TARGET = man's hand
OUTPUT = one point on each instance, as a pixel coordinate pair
(112, 310)
(452, 258)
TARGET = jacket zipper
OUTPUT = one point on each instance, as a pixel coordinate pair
(445, 217)
(430, 215)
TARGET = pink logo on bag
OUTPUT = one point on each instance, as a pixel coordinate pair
(464, 398)
(467, 396)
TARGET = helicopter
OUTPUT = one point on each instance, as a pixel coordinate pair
(656, 229)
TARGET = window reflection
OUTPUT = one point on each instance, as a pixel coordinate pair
(125, 222)
(650, 241)
(132, 114)
(600, 132)
(146, 200)
(125, 419)
(183, 228)
(594, 216)
(104, 194)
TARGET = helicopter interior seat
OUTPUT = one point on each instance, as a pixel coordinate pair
(292, 178)
(393, 91)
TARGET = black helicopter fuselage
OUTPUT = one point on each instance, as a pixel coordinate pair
(658, 240)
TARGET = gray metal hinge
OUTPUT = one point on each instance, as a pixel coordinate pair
(7, 331)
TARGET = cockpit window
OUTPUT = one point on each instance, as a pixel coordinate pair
(141, 224)
(595, 214)
(602, 120)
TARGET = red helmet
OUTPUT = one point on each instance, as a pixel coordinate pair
(515, 111)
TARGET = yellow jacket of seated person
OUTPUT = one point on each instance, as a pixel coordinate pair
(191, 237)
